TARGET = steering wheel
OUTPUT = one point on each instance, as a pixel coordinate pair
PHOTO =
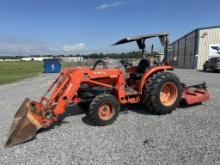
(104, 65)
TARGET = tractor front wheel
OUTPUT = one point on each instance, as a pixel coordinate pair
(163, 93)
(104, 109)
(84, 106)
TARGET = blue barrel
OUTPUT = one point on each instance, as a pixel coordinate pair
(52, 66)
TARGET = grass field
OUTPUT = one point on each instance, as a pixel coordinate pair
(14, 71)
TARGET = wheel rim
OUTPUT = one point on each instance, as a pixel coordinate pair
(168, 94)
(106, 111)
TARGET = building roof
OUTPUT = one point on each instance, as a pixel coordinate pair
(197, 29)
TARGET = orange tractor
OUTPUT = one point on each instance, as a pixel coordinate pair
(101, 91)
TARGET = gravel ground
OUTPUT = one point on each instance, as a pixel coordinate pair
(187, 136)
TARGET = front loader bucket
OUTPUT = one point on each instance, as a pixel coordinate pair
(24, 126)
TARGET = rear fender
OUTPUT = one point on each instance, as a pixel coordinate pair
(149, 74)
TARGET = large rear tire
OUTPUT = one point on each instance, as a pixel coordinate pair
(104, 109)
(162, 93)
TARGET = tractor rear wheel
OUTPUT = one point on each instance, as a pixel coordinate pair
(104, 109)
(162, 93)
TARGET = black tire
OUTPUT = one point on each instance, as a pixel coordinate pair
(204, 69)
(152, 92)
(84, 106)
(96, 106)
(216, 70)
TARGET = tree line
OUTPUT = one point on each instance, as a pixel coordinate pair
(133, 54)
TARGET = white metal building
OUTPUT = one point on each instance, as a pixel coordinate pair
(193, 49)
(72, 59)
(34, 58)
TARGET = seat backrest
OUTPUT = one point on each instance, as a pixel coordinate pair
(143, 65)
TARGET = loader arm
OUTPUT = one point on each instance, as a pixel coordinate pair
(64, 90)
(33, 116)
(68, 93)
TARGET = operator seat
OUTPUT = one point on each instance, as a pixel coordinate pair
(141, 69)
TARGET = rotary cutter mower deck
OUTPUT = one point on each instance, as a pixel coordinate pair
(100, 92)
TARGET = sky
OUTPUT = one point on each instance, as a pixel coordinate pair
(89, 26)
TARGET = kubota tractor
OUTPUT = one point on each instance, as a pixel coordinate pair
(101, 91)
